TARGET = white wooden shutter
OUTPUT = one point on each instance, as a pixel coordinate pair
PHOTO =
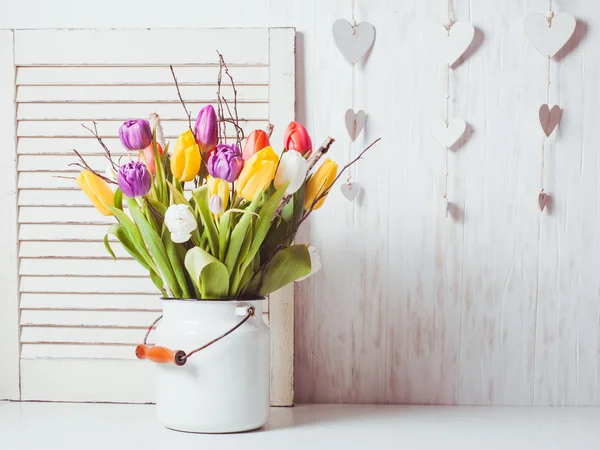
(80, 314)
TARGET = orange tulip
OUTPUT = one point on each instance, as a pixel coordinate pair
(257, 140)
(297, 138)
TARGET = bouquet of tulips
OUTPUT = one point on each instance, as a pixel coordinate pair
(233, 235)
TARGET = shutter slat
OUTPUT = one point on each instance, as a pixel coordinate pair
(110, 129)
(124, 111)
(66, 351)
(62, 214)
(66, 318)
(78, 267)
(80, 335)
(39, 249)
(62, 233)
(103, 94)
(98, 75)
(84, 285)
(142, 302)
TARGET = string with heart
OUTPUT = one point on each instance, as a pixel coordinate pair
(354, 40)
(453, 39)
(548, 34)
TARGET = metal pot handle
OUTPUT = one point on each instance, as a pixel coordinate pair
(163, 355)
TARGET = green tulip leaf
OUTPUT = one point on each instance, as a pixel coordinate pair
(118, 199)
(239, 234)
(156, 247)
(263, 223)
(177, 263)
(286, 267)
(201, 196)
(208, 273)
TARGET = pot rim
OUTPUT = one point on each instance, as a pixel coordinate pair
(220, 300)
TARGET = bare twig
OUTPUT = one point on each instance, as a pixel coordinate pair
(235, 115)
(323, 149)
(270, 129)
(84, 165)
(107, 153)
(188, 113)
(220, 114)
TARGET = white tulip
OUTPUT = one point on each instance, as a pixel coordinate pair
(293, 168)
(181, 222)
(315, 263)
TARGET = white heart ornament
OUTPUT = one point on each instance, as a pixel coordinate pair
(548, 40)
(355, 122)
(450, 45)
(350, 190)
(353, 43)
(448, 135)
(549, 118)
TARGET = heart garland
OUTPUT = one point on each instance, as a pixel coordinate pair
(548, 34)
(354, 41)
(450, 41)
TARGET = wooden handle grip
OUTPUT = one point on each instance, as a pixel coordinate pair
(160, 355)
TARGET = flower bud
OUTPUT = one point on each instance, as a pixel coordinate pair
(135, 134)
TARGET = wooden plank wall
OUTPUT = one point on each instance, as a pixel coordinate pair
(498, 308)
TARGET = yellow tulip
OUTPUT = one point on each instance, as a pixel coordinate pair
(185, 161)
(320, 182)
(257, 174)
(97, 191)
(220, 188)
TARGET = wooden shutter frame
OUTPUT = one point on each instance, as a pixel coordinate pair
(281, 66)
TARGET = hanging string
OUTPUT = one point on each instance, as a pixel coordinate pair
(449, 23)
(548, 82)
(351, 142)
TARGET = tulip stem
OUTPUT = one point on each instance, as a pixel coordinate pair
(188, 113)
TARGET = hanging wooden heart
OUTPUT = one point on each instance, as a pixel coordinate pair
(543, 200)
(354, 43)
(548, 40)
(549, 118)
(450, 45)
(448, 135)
(355, 122)
(350, 190)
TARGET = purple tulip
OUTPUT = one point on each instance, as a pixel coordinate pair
(135, 134)
(206, 130)
(226, 163)
(134, 179)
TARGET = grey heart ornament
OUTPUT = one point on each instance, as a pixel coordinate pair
(355, 123)
(350, 190)
(353, 42)
(549, 118)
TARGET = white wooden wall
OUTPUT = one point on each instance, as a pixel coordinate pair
(500, 308)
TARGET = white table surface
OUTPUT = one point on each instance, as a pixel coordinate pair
(66, 426)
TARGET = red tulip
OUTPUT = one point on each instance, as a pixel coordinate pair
(149, 157)
(257, 140)
(296, 138)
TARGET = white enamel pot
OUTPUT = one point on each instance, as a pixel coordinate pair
(223, 388)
